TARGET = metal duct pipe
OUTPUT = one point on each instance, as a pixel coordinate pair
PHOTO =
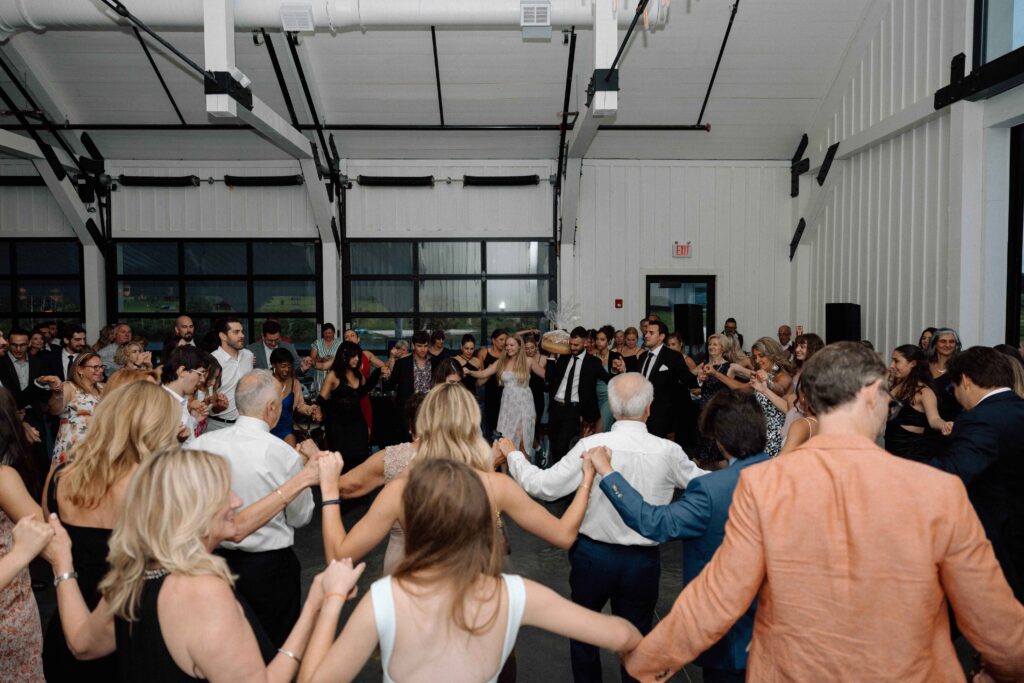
(328, 15)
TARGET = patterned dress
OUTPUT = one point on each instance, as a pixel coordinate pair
(21, 636)
(396, 459)
(775, 418)
(323, 351)
(74, 421)
(517, 415)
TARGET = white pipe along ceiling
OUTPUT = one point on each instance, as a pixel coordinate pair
(328, 15)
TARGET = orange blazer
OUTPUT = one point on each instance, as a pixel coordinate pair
(852, 554)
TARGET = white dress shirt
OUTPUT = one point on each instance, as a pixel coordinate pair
(66, 359)
(107, 354)
(21, 370)
(260, 464)
(186, 417)
(232, 370)
(993, 393)
(649, 360)
(574, 394)
(652, 465)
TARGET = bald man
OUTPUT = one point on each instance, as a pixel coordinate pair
(185, 328)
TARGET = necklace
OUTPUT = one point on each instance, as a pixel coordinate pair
(157, 573)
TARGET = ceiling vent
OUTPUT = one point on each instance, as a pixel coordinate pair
(297, 17)
(535, 19)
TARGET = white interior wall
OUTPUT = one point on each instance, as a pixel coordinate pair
(29, 211)
(736, 215)
(449, 210)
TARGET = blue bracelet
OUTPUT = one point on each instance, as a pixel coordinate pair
(335, 501)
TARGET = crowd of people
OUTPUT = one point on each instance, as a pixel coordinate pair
(841, 517)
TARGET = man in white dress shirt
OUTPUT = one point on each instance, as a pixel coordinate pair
(269, 575)
(610, 561)
(236, 362)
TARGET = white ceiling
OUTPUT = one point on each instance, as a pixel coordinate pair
(780, 61)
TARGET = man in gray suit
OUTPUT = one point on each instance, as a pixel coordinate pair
(263, 347)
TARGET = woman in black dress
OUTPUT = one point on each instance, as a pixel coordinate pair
(467, 359)
(344, 388)
(914, 422)
(942, 348)
(492, 389)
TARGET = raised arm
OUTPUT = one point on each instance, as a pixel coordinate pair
(482, 374)
(369, 531)
(728, 380)
(344, 659)
(931, 411)
(548, 610)
(363, 479)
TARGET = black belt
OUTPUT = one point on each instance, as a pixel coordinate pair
(221, 419)
(570, 403)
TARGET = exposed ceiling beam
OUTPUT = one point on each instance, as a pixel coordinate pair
(159, 76)
(304, 70)
(603, 104)
(437, 74)
(279, 75)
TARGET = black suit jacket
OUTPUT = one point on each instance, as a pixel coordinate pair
(667, 375)
(31, 395)
(401, 379)
(590, 369)
(986, 450)
(53, 362)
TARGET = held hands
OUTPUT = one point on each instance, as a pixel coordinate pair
(30, 537)
(183, 433)
(341, 577)
(31, 433)
(385, 372)
(305, 364)
(500, 450)
(947, 428)
(600, 457)
(329, 466)
(317, 414)
(219, 403)
(52, 381)
(58, 551)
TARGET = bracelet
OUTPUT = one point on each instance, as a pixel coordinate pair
(332, 501)
(340, 595)
(289, 653)
(283, 500)
(58, 580)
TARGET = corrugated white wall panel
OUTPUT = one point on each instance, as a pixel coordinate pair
(29, 211)
(210, 210)
(449, 210)
(882, 238)
(736, 214)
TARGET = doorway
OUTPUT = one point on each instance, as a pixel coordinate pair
(687, 305)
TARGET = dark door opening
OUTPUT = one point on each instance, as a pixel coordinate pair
(687, 305)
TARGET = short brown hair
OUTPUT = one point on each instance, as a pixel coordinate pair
(836, 373)
(986, 367)
(736, 422)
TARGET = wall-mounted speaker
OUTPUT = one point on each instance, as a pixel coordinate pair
(689, 319)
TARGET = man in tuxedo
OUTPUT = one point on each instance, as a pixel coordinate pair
(572, 383)
(666, 370)
(263, 347)
(73, 342)
(18, 374)
(986, 450)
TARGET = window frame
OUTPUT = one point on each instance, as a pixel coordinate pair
(419, 316)
(17, 317)
(249, 278)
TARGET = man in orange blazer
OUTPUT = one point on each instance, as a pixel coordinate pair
(852, 554)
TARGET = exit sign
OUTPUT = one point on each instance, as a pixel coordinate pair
(683, 250)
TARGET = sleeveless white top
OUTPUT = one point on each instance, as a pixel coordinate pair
(384, 615)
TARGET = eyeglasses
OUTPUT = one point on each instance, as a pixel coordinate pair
(93, 367)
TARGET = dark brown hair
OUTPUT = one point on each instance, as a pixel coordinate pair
(986, 367)
(736, 422)
(451, 532)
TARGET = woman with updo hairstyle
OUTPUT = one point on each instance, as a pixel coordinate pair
(340, 403)
(447, 612)
(169, 607)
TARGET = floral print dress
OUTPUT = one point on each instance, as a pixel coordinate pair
(74, 421)
(21, 636)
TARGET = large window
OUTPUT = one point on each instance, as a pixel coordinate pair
(998, 28)
(40, 280)
(154, 281)
(394, 288)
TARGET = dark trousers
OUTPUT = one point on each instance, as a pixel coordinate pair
(723, 675)
(271, 582)
(563, 428)
(626, 575)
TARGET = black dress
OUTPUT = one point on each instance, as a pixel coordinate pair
(142, 651)
(492, 395)
(948, 408)
(907, 444)
(89, 553)
(344, 423)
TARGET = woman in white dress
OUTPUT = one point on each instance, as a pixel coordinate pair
(448, 613)
(517, 416)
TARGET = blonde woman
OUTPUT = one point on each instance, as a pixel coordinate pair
(74, 401)
(448, 613)
(448, 428)
(133, 356)
(125, 376)
(168, 604)
(517, 415)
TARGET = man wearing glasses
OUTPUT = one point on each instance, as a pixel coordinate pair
(848, 550)
(180, 375)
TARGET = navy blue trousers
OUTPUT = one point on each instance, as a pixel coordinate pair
(625, 575)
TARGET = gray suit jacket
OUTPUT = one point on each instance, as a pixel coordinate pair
(263, 361)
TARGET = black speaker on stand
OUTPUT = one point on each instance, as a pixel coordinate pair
(690, 324)
(842, 323)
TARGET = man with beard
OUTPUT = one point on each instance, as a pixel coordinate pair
(236, 362)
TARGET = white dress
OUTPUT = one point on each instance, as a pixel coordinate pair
(387, 623)
(517, 415)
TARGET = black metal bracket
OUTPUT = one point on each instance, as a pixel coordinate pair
(603, 80)
(795, 242)
(798, 167)
(987, 80)
(223, 83)
(826, 164)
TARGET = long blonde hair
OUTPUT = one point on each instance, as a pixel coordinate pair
(168, 512)
(448, 427)
(451, 534)
(520, 365)
(129, 424)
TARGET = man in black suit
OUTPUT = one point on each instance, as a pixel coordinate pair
(18, 374)
(414, 373)
(666, 370)
(986, 450)
(572, 383)
(73, 342)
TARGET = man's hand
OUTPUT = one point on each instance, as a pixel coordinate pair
(309, 450)
(305, 364)
(385, 372)
(53, 382)
(317, 414)
(500, 450)
(947, 428)
(219, 403)
(31, 433)
(329, 467)
(601, 457)
(183, 433)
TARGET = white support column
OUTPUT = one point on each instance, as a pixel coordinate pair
(965, 291)
(323, 213)
(219, 48)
